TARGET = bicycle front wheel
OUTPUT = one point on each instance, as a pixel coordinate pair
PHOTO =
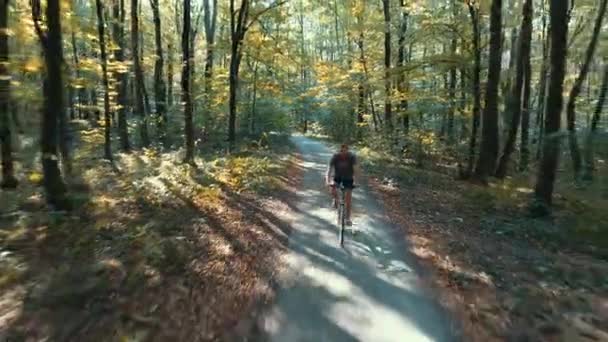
(341, 224)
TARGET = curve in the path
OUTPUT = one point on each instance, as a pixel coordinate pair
(366, 291)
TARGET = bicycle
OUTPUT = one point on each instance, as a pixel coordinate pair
(341, 214)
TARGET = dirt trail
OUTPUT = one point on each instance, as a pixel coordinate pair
(368, 291)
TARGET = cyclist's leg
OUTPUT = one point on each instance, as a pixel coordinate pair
(348, 198)
(334, 192)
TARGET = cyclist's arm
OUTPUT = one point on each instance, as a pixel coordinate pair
(329, 170)
(328, 174)
(356, 171)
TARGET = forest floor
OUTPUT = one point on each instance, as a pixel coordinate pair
(502, 273)
(155, 249)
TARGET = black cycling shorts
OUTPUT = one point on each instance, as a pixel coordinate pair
(348, 183)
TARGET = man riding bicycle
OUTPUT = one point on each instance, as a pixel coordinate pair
(343, 166)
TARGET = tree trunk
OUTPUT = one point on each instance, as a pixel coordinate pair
(170, 75)
(77, 71)
(336, 31)
(8, 172)
(576, 90)
(366, 81)
(542, 88)
(463, 103)
(186, 96)
(400, 64)
(551, 144)
(53, 106)
(119, 55)
(362, 86)
(489, 139)
(210, 25)
(139, 77)
(104, 75)
(525, 118)
(237, 28)
(210, 20)
(474, 13)
(71, 109)
(452, 88)
(159, 83)
(515, 98)
(253, 100)
(589, 143)
(388, 115)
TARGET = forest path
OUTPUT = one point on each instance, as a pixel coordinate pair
(367, 291)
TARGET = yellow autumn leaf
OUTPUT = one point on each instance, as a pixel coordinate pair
(33, 64)
(35, 177)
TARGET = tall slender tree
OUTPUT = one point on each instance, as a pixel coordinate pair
(210, 11)
(240, 22)
(388, 113)
(238, 27)
(489, 130)
(122, 77)
(474, 14)
(589, 142)
(106, 84)
(139, 77)
(551, 144)
(210, 20)
(542, 87)
(576, 90)
(186, 96)
(55, 188)
(159, 83)
(8, 172)
(452, 85)
(525, 117)
(400, 63)
(514, 105)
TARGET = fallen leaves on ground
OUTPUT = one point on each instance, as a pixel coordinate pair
(161, 251)
(495, 271)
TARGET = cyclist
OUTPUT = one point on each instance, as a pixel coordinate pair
(343, 166)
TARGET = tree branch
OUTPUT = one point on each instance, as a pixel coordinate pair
(260, 13)
(36, 17)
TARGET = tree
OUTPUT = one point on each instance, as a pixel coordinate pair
(8, 172)
(139, 77)
(551, 146)
(119, 55)
(387, 65)
(474, 14)
(514, 104)
(542, 88)
(489, 130)
(159, 83)
(51, 42)
(576, 90)
(452, 85)
(210, 20)
(240, 22)
(525, 117)
(104, 75)
(589, 143)
(186, 96)
(400, 63)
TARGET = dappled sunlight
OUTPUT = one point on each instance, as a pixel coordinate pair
(367, 290)
(142, 221)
